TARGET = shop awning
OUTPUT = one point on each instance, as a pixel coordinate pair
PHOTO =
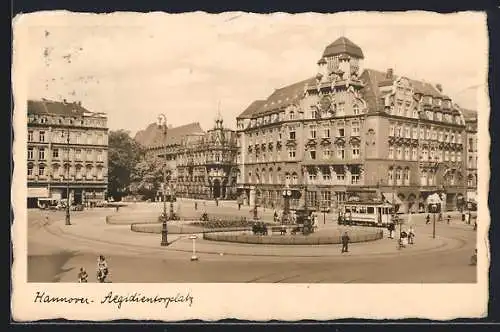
(38, 192)
(392, 198)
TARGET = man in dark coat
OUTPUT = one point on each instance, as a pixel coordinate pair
(391, 229)
(345, 242)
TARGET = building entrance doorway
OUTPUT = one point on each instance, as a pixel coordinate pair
(216, 189)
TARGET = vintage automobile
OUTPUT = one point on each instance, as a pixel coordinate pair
(77, 207)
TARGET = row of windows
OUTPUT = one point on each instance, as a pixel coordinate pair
(354, 177)
(63, 153)
(339, 153)
(61, 137)
(78, 172)
(439, 135)
(88, 122)
(425, 154)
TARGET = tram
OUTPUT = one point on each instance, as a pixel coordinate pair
(368, 213)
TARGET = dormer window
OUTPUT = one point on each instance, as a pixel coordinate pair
(292, 115)
(355, 109)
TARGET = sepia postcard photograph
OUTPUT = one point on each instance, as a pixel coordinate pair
(234, 165)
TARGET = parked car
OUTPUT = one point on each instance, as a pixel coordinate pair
(77, 207)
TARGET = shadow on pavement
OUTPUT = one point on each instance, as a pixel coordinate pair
(49, 268)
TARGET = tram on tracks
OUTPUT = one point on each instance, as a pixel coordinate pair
(367, 213)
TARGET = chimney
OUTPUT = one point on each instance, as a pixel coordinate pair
(439, 87)
(389, 73)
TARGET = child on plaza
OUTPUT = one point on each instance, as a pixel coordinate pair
(82, 275)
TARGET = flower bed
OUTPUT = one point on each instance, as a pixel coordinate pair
(292, 239)
(172, 229)
(225, 223)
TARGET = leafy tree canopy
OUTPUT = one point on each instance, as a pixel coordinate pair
(123, 154)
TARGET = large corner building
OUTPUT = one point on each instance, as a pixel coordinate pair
(354, 133)
(54, 164)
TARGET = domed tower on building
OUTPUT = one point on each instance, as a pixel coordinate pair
(342, 58)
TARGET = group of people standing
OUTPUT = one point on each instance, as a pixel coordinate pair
(102, 271)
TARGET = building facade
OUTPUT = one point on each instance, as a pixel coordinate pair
(56, 163)
(207, 164)
(350, 133)
(471, 154)
(199, 164)
(165, 146)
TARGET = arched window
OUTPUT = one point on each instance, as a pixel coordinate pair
(287, 177)
(470, 180)
(430, 178)
(30, 169)
(390, 176)
(270, 175)
(355, 109)
(423, 178)
(295, 178)
(407, 176)
(398, 176)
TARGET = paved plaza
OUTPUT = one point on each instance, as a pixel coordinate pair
(56, 251)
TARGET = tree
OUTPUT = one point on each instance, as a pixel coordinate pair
(123, 153)
(147, 177)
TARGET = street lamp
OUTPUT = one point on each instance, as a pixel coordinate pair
(162, 125)
(287, 193)
(255, 216)
(68, 217)
(433, 210)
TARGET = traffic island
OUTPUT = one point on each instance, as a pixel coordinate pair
(331, 236)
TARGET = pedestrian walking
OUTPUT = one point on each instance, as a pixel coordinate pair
(345, 242)
(428, 219)
(411, 235)
(195, 205)
(448, 219)
(391, 229)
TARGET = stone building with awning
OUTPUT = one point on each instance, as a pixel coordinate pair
(349, 131)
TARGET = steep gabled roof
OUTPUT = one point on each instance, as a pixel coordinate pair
(280, 98)
(343, 46)
(52, 107)
(251, 109)
(153, 136)
(375, 78)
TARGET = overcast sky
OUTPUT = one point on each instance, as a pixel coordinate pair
(135, 66)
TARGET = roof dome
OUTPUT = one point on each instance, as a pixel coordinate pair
(343, 45)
